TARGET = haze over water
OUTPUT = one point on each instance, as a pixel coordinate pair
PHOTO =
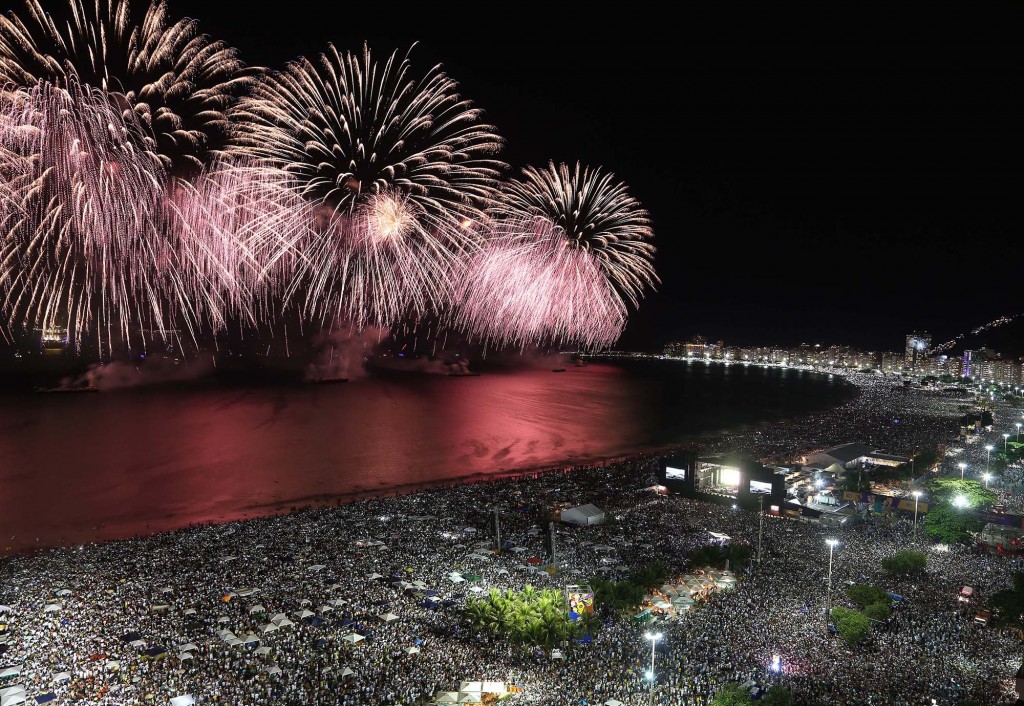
(77, 468)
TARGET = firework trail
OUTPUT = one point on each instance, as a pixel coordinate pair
(596, 214)
(173, 81)
(529, 286)
(395, 166)
(568, 249)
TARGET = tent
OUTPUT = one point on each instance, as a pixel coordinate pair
(263, 650)
(131, 637)
(353, 638)
(304, 614)
(446, 697)
(183, 700)
(10, 672)
(317, 567)
(45, 698)
(188, 647)
(62, 677)
(257, 609)
(305, 602)
(347, 672)
(51, 608)
(412, 650)
(137, 644)
(13, 699)
(269, 627)
(388, 617)
(273, 669)
(11, 690)
(613, 702)
(6, 609)
(185, 656)
(557, 654)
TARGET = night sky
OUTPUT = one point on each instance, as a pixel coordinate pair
(842, 188)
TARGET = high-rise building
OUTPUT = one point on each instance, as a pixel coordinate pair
(917, 348)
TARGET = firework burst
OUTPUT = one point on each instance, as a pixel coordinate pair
(596, 214)
(568, 248)
(393, 165)
(170, 79)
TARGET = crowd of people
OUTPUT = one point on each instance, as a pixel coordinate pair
(361, 604)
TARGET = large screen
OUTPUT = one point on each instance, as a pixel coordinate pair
(675, 473)
(758, 488)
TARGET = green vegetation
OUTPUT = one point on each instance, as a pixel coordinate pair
(1008, 605)
(907, 561)
(878, 611)
(623, 595)
(924, 460)
(736, 695)
(852, 625)
(529, 617)
(863, 595)
(738, 554)
(949, 522)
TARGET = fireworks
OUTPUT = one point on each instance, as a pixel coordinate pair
(358, 190)
(176, 83)
(567, 250)
(83, 248)
(529, 286)
(394, 166)
(596, 214)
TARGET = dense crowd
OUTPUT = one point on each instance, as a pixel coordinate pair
(361, 604)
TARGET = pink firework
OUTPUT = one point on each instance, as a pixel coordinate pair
(387, 260)
(529, 285)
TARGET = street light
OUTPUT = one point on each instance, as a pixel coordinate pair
(653, 637)
(963, 467)
(988, 457)
(1018, 431)
(1005, 437)
(828, 591)
(960, 501)
(987, 477)
(917, 498)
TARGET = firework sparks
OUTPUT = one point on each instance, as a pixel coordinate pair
(393, 164)
(528, 286)
(174, 81)
(596, 214)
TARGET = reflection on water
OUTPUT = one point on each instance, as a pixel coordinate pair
(84, 467)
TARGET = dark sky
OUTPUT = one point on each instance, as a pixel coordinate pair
(838, 183)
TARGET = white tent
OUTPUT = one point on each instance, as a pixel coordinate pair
(263, 650)
(62, 676)
(11, 690)
(557, 654)
(353, 637)
(190, 611)
(112, 666)
(10, 672)
(388, 617)
(471, 697)
(13, 699)
(613, 702)
(64, 592)
(137, 644)
(374, 576)
(283, 622)
(317, 567)
(455, 577)
(247, 591)
(257, 609)
(269, 627)
(347, 672)
(446, 697)
(412, 650)
(337, 601)
(273, 670)
(183, 700)
(185, 656)
(471, 686)
(304, 614)
(6, 609)
(187, 647)
(326, 608)
(583, 515)
(305, 602)
(251, 638)
(51, 608)
(494, 687)
(223, 619)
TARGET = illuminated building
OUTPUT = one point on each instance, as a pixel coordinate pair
(917, 348)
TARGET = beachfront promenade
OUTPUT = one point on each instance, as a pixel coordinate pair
(361, 604)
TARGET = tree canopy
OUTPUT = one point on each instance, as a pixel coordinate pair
(852, 625)
(907, 561)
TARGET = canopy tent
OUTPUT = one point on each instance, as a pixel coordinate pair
(388, 617)
(263, 650)
(305, 602)
(183, 700)
(446, 697)
(6, 609)
(187, 647)
(11, 690)
(613, 702)
(185, 656)
(13, 699)
(51, 608)
(412, 650)
(353, 638)
(273, 669)
(46, 698)
(62, 677)
(257, 609)
(10, 672)
(304, 614)
(317, 567)
(269, 627)
(347, 672)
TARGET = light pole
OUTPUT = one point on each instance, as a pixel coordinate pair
(760, 526)
(988, 456)
(960, 501)
(1005, 437)
(987, 477)
(1018, 432)
(828, 591)
(917, 498)
(963, 467)
(653, 637)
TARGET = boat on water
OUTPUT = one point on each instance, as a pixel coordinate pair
(328, 381)
(67, 390)
(558, 370)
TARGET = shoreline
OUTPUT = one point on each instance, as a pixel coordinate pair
(749, 438)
